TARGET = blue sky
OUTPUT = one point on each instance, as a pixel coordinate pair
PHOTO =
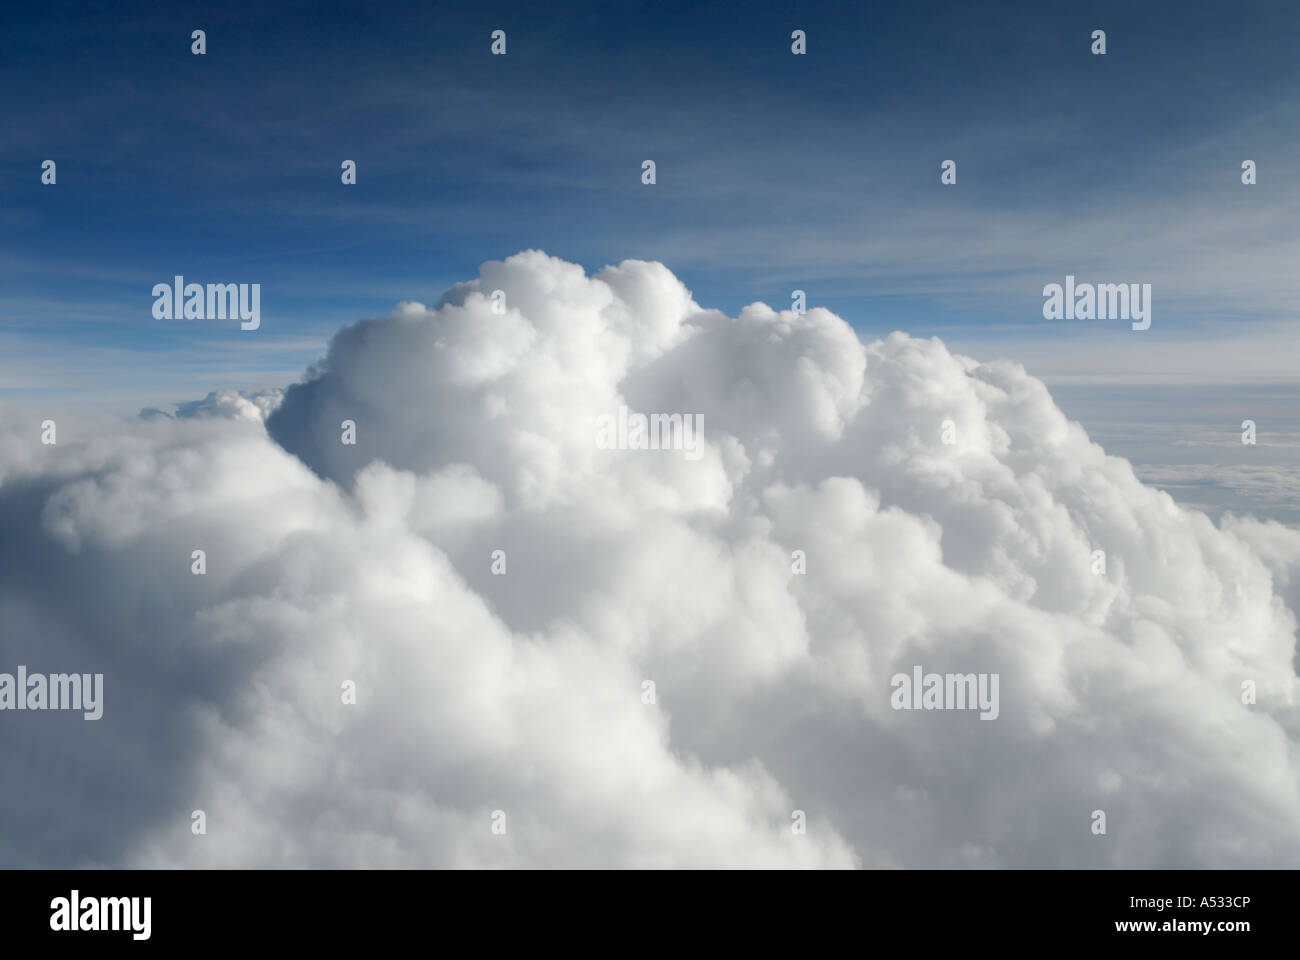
(775, 172)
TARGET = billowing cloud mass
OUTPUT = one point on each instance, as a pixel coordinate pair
(825, 538)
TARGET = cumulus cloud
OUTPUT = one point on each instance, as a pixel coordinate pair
(826, 538)
(254, 405)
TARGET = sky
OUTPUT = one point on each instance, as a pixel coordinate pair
(918, 470)
(774, 172)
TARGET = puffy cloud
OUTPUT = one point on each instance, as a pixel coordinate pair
(826, 538)
(229, 404)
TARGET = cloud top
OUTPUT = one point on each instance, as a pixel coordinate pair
(858, 509)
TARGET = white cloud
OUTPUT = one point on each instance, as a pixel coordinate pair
(522, 692)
